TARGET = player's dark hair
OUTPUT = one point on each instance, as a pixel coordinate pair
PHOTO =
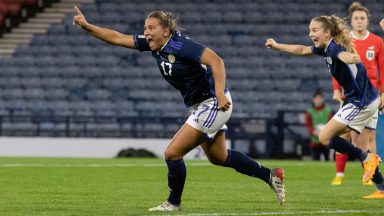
(339, 30)
(166, 19)
(357, 6)
(318, 92)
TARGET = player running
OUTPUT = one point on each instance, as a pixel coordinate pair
(370, 48)
(332, 40)
(199, 74)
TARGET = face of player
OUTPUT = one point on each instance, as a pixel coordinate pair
(155, 34)
(318, 101)
(359, 21)
(318, 34)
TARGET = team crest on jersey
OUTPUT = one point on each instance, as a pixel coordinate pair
(171, 58)
(370, 55)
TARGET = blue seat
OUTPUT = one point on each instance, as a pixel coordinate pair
(98, 94)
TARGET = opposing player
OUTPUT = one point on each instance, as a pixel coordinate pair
(199, 74)
(370, 48)
(332, 39)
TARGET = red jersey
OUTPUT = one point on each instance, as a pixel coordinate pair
(371, 52)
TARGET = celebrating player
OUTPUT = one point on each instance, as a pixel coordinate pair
(199, 74)
(332, 40)
(370, 48)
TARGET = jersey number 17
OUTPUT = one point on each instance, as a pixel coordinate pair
(165, 66)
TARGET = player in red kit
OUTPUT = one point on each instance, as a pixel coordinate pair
(371, 51)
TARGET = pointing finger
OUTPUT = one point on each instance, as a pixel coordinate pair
(78, 11)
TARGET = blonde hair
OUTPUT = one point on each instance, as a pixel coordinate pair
(339, 31)
(357, 6)
(166, 19)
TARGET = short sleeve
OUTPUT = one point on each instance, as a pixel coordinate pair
(141, 43)
(334, 50)
(191, 50)
(318, 51)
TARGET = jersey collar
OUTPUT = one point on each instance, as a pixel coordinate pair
(364, 38)
(170, 36)
(328, 44)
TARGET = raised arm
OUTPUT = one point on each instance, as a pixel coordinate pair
(218, 71)
(289, 48)
(107, 35)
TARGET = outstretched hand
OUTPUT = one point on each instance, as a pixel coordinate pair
(270, 43)
(382, 24)
(79, 18)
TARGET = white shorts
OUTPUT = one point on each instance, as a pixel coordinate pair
(358, 118)
(208, 118)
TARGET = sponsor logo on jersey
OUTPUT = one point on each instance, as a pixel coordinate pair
(171, 58)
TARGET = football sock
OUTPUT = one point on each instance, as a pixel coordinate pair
(378, 179)
(341, 161)
(245, 165)
(380, 186)
(343, 146)
(176, 179)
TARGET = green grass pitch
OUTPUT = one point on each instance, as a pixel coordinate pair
(44, 186)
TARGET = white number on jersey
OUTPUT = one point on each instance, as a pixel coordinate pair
(164, 66)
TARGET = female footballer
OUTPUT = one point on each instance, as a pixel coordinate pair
(370, 48)
(332, 40)
(199, 74)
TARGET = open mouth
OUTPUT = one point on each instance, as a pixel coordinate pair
(150, 41)
(315, 41)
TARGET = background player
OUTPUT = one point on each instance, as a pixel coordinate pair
(370, 48)
(315, 118)
(332, 40)
(182, 63)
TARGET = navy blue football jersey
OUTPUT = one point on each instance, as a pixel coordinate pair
(352, 77)
(179, 63)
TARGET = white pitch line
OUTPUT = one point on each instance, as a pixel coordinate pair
(96, 165)
(319, 212)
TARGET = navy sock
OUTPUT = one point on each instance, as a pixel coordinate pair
(176, 179)
(343, 146)
(378, 179)
(245, 165)
(380, 186)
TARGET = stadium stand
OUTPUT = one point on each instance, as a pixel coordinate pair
(62, 71)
